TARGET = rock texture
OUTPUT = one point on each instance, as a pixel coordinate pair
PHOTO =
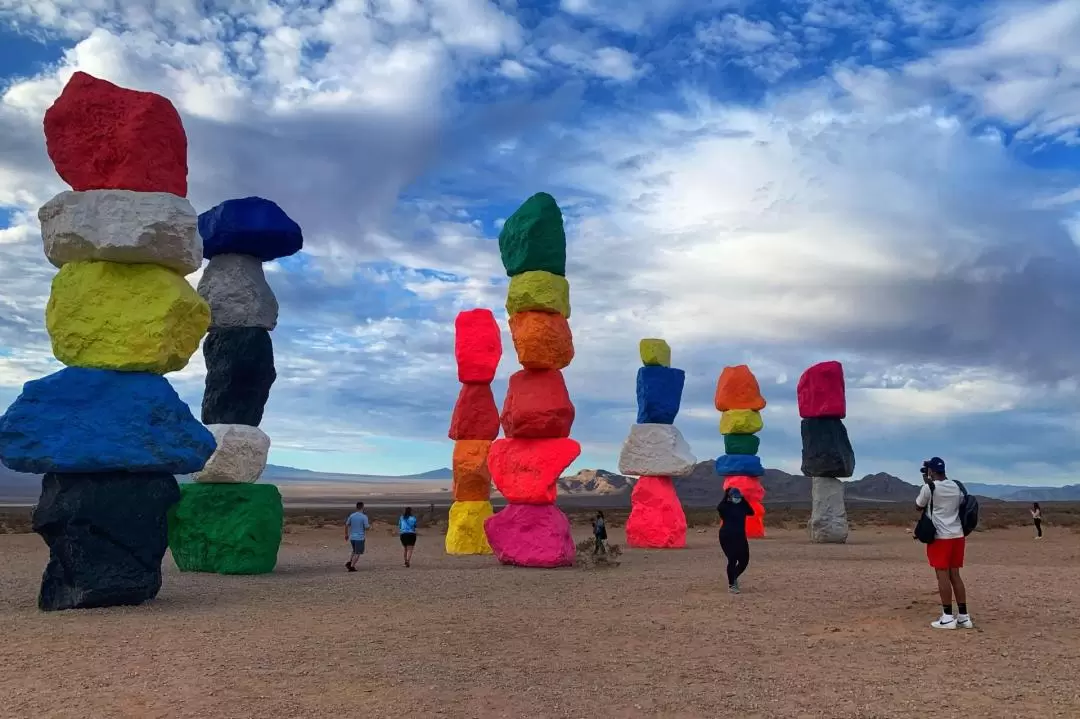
(90, 420)
(475, 414)
(737, 389)
(134, 318)
(239, 374)
(821, 391)
(828, 516)
(477, 346)
(531, 536)
(249, 226)
(226, 528)
(754, 494)
(527, 470)
(472, 480)
(465, 532)
(100, 136)
(533, 239)
(741, 443)
(538, 291)
(659, 394)
(106, 533)
(537, 406)
(542, 340)
(748, 465)
(122, 226)
(657, 520)
(827, 450)
(656, 449)
(235, 287)
(741, 421)
(654, 352)
(240, 457)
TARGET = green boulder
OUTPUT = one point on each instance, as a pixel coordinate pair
(741, 443)
(533, 238)
(226, 528)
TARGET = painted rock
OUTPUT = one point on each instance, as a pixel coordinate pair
(249, 226)
(235, 287)
(226, 528)
(240, 457)
(828, 515)
(755, 524)
(107, 533)
(538, 291)
(476, 416)
(477, 346)
(542, 340)
(90, 420)
(657, 520)
(741, 421)
(465, 533)
(532, 239)
(656, 449)
(741, 443)
(748, 465)
(239, 374)
(472, 480)
(537, 406)
(103, 137)
(821, 391)
(154, 228)
(525, 471)
(654, 353)
(827, 450)
(659, 393)
(751, 487)
(737, 388)
(527, 535)
(134, 318)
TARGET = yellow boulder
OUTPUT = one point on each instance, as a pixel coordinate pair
(465, 534)
(133, 318)
(741, 421)
(538, 291)
(655, 353)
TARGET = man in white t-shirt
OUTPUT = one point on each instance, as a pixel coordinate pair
(946, 552)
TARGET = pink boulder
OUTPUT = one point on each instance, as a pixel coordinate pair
(657, 520)
(821, 391)
(525, 471)
(103, 137)
(477, 346)
(530, 535)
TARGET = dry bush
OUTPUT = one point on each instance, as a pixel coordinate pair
(585, 559)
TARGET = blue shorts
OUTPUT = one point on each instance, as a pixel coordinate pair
(357, 546)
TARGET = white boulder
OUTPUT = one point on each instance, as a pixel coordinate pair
(656, 449)
(828, 514)
(240, 456)
(123, 226)
(235, 287)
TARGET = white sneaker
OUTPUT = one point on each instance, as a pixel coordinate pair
(946, 621)
(963, 621)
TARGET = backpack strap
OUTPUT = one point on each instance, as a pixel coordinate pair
(963, 489)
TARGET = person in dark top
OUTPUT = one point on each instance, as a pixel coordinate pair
(1036, 516)
(734, 510)
(599, 528)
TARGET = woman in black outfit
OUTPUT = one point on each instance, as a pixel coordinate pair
(1036, 515)
(734, 510)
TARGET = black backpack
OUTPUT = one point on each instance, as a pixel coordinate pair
(925, 531)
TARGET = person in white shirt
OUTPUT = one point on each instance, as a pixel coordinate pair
(946, 552)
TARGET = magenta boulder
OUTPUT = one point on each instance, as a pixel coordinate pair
(531, 535)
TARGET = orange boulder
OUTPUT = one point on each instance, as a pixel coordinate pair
(542, 340)
(472, 480)
(737, 388)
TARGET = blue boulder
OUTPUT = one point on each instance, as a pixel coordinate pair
(94, 420)
(659, 392)
(739, 465)
(249, 226)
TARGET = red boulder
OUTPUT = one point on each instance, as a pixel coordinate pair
(821, 391)
(476, 416)
(477, 346)
(754, 494)
(657, 520)
(103, 137)
(525, 471)
(537, 405)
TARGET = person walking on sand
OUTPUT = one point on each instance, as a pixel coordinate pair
(356, 527)
(1036, 516)
(733, 511)
(407, 533)
(599, 530)
(945, 553)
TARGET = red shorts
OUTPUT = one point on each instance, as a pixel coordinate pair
(946, 553)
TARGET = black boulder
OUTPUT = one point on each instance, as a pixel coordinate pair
(239, 374)
(826, 449)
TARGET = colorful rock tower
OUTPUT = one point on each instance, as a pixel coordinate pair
(656, 451)
(827, 453)
(738, 398)
(537, 413)
(225, 522)
(473, 427)
(109, 432)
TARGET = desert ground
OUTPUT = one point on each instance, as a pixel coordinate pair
(819, 631)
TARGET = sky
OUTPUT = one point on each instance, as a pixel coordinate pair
(894, 184)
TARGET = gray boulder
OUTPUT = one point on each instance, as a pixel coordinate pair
(828, 516)
(235, 288)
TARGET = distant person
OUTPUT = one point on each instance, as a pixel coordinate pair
(599, 530)
(356, 527)
(733, 511)
(1036, 516)
(407, 533)
(946, 552)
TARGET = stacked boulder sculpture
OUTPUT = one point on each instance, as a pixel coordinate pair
(474, 425)
(109, 432)
(226, 523)
(827, 454)
(656, 452)
(537, 414)
(738, 398)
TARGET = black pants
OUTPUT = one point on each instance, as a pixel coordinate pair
(737, 551)
(599, 547)
(1038, 527)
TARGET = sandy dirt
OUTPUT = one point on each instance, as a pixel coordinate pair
(819, 631)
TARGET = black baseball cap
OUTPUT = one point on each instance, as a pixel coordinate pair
(936, 464)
